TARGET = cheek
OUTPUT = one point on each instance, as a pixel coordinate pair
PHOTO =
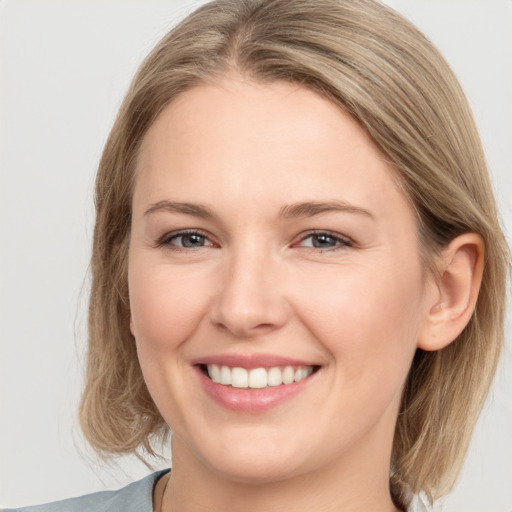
(165, 310)
(368, 317)
(165, 306)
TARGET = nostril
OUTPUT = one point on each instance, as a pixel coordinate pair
(243, 329)
(248, 307)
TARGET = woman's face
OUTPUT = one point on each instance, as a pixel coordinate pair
(271, 242)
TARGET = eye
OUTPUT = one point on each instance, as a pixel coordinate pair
(324, 240)
(185, 240)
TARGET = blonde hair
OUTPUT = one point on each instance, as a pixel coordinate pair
(378, 67)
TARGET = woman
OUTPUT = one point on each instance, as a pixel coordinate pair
(297, 264)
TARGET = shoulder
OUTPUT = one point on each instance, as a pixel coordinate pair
(136, 497)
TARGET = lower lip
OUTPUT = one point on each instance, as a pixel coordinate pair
(251, 400)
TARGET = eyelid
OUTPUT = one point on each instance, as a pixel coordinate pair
(165, 240)
(344, 241)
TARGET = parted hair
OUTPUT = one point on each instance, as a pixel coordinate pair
(376, 66)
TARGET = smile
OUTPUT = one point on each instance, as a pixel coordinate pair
(254, 383)
(257, 378)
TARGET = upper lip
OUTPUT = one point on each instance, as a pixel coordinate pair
(250, 361)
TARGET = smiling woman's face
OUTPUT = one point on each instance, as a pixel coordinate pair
(269, 235)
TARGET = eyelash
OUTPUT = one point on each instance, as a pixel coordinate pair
(168, 237)
(340, 241)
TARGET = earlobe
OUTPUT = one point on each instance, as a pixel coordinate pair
(460, 270)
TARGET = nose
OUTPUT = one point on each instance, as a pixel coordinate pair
(251, 300)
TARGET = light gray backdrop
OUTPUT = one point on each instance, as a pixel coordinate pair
(65, 65)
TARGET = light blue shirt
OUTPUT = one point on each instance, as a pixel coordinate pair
(136, 497)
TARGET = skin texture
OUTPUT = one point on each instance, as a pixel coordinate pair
(255, 283)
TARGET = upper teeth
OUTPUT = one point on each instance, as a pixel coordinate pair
(257, 377)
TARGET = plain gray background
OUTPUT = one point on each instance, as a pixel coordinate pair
(64, 67)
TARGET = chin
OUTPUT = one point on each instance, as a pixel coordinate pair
(262, 460)
(257, 470)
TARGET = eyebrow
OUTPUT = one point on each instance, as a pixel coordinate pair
(194, 209)
(312, 208)
(295, 210)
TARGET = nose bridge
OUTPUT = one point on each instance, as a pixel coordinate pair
(250, 301)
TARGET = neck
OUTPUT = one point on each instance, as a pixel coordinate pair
(357, 485)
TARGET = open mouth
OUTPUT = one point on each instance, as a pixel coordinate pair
(257, 378)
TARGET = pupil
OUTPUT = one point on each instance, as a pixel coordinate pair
(323, 241)
(192, 240)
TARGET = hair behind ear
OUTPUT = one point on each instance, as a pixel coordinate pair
(452, 369)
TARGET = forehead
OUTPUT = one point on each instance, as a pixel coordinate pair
(260, 112)
(237, 138)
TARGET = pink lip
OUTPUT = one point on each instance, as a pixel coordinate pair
(250, 361)
(250, 400)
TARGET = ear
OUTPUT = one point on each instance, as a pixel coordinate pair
(454, 292)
